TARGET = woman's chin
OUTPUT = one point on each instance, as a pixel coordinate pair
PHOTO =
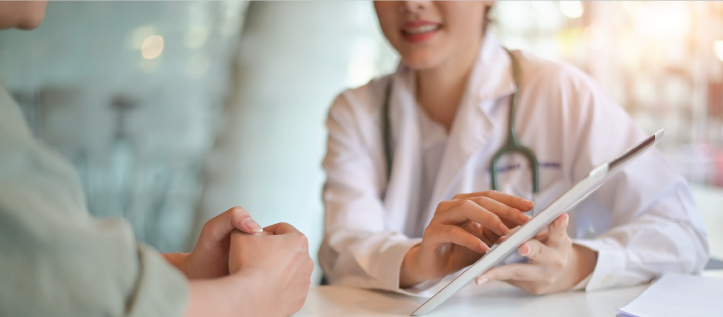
(421, 60)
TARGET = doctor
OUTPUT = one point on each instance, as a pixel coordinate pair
(405, 225)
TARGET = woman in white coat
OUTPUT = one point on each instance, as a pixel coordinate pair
(448, 113)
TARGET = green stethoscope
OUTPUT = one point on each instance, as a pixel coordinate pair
(512, 144)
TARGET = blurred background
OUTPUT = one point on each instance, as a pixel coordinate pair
(173, 112)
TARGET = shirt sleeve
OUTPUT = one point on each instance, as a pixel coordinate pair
(357, 249)
(643, 221)
(56, 259)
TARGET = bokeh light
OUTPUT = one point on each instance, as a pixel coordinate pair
(596, 37)
(571, 9)
(633, 7)
(195, 37)
(718, 49)
(152, 47)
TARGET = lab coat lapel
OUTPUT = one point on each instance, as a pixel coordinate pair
(490, 79)
(403, 190)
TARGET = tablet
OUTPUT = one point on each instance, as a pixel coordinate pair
(564, 203)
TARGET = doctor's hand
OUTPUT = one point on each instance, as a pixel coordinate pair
(209, 258)
(276, 268)
(556, 264)
(461, 230)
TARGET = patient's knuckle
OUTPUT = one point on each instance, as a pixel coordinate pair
(309, 264)
(237, 211)
(303, 242)
(206, 227)
(300, 239)
(209, 229)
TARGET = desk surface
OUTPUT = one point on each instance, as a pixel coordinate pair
(493, 299)
(497, 300)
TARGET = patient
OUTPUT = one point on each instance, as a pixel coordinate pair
(57, 260)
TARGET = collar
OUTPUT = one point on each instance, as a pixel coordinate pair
(491, 77)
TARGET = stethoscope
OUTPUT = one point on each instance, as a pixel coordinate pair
(512, 144)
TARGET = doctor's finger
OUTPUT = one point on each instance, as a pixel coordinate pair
(509, 200)
(442, 234)
(557, 232)
(542, 235)
(486, 235)
(512, 272)
(512, 231)
(463, 210)
(536, 251)
(490, 237)
(510, 214)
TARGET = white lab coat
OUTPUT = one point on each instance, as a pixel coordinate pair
(642, 222)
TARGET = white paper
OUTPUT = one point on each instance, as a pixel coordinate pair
(679, 295)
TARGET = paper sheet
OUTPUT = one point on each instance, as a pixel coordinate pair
(679, 295)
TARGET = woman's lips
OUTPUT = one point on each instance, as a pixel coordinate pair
(419, 31)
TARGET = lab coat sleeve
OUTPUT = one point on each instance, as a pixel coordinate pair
(654, 224)
(56, 259)
(357, 249)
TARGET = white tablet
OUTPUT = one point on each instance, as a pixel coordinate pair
(565, 202)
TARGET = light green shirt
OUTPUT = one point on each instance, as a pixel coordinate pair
(58, 260)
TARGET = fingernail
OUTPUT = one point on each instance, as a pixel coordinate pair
(524, 218)
(483, 280)
(525, 250)
(252, 225)
(563, 221)
(503, 229)
(528, 202)
(482, 247)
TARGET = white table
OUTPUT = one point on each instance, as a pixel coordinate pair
(497, 300)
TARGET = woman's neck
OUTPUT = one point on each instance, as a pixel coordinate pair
(440, 89)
